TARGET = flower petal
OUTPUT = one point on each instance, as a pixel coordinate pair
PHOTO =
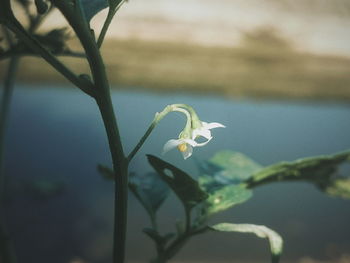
(212, 125)
(201, 132)
(204, 143)
(188, 152)
(171, 144)
(192, 143)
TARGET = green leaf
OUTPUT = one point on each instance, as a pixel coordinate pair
(106, 172)
(319, 170)
(275, 240)
(225, 198)
(226, 167)
(41, 6)
(92, 7)
(339, 187)
(150, 190)
(235, 165)
(184, 186)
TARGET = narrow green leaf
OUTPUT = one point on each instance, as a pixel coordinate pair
(150, 190)
(225, 198)
(275, 240)
(319, 170)
(184, 186)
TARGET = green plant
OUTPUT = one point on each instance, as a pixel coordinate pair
(224, 181)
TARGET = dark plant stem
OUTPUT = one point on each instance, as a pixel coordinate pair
(104, 102)
(6, 249)
(177, 244)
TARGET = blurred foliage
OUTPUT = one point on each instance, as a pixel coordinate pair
(150, 190)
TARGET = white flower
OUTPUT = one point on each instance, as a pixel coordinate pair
(204, 129)
(186, 145)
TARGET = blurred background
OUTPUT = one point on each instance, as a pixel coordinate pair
(251, 48)
(276, 73)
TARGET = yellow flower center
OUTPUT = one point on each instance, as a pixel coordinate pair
(182, 147)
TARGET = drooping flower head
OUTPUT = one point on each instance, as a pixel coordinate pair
(193, 130)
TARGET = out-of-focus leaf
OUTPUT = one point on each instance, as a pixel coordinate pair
(92, 7)
(5, 11)
(339, 187)
(106, 172)
(275, 240)
(226, 167)
(184, 186)
(150, 190)
(55, 40)
(41, 6)
(319, 170)
(225, 198)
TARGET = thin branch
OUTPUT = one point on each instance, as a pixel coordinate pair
(67, 53)
(111, 13)
(32, 43)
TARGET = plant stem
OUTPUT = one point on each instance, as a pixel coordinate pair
(5, 105)
(21, 33)
(104, 102)
(6, 249)
(121, 174)
(156, 120)
(188, 219)
(178, 243)
(104, 29)
(111, 12)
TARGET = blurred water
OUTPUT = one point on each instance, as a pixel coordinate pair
(56, 133)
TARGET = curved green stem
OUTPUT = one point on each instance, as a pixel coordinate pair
(157, 118)
(111, 13)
